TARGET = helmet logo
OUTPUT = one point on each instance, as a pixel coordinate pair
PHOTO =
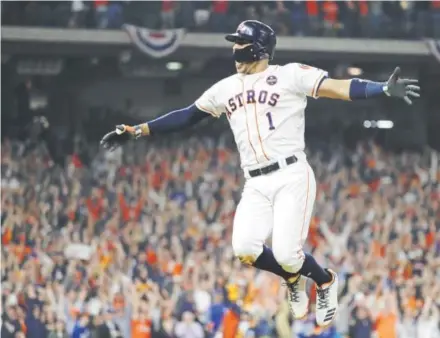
(271, 80)
(245, 30)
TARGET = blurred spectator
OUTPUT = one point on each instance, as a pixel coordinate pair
(282, 18)
(331, 25)
(362, 325)
(435, 8)
(216, 312)
(61, 13)
(218, 17)
(349, 17)
(202, 13)
(251, 12)
(422, 18)
(375, 19)
(101, 9)
(105, 325)
(141, 316)
(35, 320)
(313, 17)
(168, 14)
(188, 328)
(10, 323)
(269, 15)
(115, 14)
(77, 18)
(81, 328)
(58, 330)
(301, 19)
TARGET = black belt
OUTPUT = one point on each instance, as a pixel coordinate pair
(271, 168)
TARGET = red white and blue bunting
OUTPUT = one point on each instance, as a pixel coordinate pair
(156, 44)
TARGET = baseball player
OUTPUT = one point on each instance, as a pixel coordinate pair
(265, 106)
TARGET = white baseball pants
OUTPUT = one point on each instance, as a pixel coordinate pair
(282, 203)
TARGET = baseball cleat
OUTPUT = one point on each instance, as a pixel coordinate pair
(327, 301)
(298, 299)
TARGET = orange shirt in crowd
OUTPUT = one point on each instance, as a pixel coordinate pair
(312, 8)
(167, 6)
(430, 239)
(411, 303)
(378, 249)
(230, 324)
(330, 9)
(104, 260)
(223, 156)
(371, 163)
(95, 208)
(363, 7)
(435, 4)
(151, 257)
(140, 328)
(130, 213)
(99, 3)
(354, 189)
(220, 6)
(374, 185)
(23, 326)
(77, 161)
(7, 236)
(314, 237)
(386, 326)
(21, 251)
(155, 180)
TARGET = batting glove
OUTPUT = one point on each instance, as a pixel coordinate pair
(119, 136)
(406, 89)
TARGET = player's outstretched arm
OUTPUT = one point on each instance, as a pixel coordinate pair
(173, 121)
(357, 89)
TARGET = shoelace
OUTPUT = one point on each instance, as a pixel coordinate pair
(323, 298)
(293, 291)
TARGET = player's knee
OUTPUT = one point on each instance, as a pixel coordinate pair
(289, 261)
(245, 251)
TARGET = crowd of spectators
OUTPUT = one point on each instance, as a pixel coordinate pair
(137, 244)
(373, 19)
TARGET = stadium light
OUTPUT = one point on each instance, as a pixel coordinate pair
(381, 124)
(385, 124)
(354, 71)
(174, 66)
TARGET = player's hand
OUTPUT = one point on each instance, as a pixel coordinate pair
(117, 137)
(406, 89)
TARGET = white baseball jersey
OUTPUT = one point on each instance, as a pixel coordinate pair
(265, 110)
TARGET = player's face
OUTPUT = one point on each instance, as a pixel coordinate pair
(241, 67)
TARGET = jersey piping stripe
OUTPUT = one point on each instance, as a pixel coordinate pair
(247, 125)
(316, 85)
(305, 208)
(204, 109)
(256, 121)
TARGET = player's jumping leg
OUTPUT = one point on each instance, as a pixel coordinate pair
(253, 224)
(293, 206)
(266, 261)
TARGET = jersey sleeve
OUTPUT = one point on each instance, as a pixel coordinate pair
(305, 79)
(208, 101)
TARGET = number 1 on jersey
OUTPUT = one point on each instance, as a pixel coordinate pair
(269, 118)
